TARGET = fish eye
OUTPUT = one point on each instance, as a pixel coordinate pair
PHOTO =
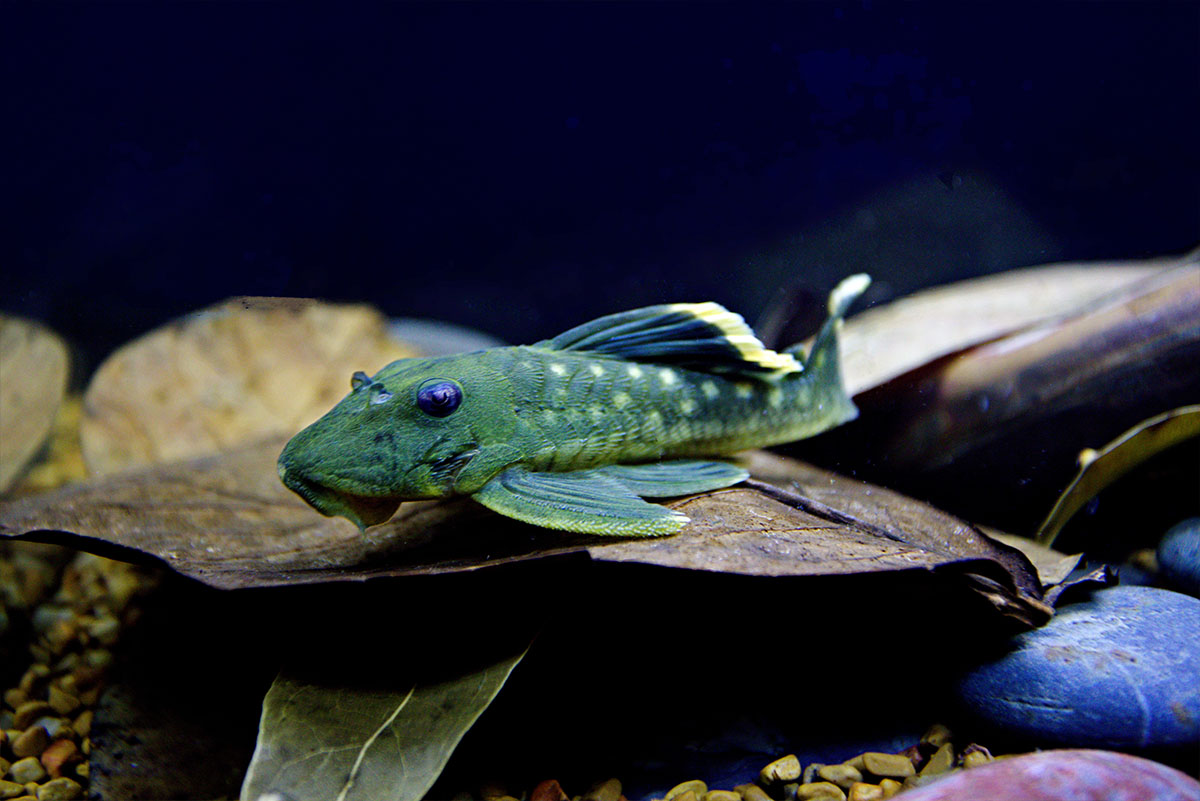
(359, 379)
(438, 397)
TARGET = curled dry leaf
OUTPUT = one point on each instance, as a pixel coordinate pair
(1100, 468)
(239, 371)
(1140, 346)
(1052, 566)
(885, 342)
(33, 381)
(991, 431)
(226, 520)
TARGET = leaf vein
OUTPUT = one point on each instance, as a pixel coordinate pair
(370, 741)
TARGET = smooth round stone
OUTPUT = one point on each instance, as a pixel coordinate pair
(1120, 670)
(1068, 775)
(1179, 556)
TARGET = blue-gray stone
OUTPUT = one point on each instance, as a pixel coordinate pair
(1179, 556)
(1120, 670)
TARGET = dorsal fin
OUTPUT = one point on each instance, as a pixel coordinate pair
(698, 336)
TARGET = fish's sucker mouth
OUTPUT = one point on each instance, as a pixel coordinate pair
(360, 510)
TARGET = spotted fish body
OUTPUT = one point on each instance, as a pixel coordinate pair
(572, 432)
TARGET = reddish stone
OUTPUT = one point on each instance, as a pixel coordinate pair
(549, 790)
(1063, 775)
(914, 754)
(61, 757)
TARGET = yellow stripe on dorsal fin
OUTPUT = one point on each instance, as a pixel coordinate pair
(740, 335)
(705, 337)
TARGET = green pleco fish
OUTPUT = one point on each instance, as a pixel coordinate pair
(573, 432)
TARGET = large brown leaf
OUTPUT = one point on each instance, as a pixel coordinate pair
(991, 431)
(885, 342)
(33, 381)
(1139, 345)
(226, 520)
(221, 377)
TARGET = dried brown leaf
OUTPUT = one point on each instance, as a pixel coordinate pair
(60, 461)
(992, 431)
(226, 520)
(1052, 566)
(1098, 469)
(244, 369)
(1138, 346)
(888, 341)
(33, 381)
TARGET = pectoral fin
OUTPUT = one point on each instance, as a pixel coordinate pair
(583, 501)
(668, 479)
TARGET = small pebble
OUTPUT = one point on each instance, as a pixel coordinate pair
(27, 770)
(36, 673)
(11, 789)
(752, 792)
(892, 766)
(609, 790)
(86, 677)
(15, 697)
(782, 770)
(4, 765)
(841, 775)
(47, 616)
(1115, 671)
(975, 755)
(913, 754)
(862, 791)
(890, 787)
(686, 795)
(63, 702)
(60, 789)
(104, 629)
(30, 711)
(695, 787)
(937, 736)
(722, 795)
(810, 773)
(60, 756)
(58, 638)
(1179, 556)
(31, 743)
(83, 724)
(814, 790)
(55, 727)
(67, 663)
(97, 658)
(941, 761)
(549, 790)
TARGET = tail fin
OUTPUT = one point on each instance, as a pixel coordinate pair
(822, 366)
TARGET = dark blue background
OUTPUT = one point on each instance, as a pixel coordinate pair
(521, 168)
